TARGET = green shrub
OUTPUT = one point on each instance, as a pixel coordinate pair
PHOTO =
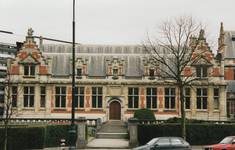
(144, 114)
(197, 134)
(35, 137)
(178, 120)
(24, 138)
(54, 133)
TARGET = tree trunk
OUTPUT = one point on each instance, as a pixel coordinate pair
(183, 128)
(6, 135)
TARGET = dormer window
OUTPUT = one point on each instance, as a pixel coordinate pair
(151, 74)
(201, 71)
(115, 73)
(29, 70)
(79, 72)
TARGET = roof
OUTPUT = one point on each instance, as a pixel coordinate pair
(97, 57)
(230, 44)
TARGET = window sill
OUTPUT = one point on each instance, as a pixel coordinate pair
(28, 108)
(60, 109)
(217, 110)
(169, 110)
(79, 109)
(26, 76)
(96, 110)
(187, 110)
(202, 110)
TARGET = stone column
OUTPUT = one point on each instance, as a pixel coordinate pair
(133, 132)
(81, 133)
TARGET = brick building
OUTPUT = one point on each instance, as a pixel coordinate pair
(226, 53)
(112, 82)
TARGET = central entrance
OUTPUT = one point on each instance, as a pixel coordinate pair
(115, 111)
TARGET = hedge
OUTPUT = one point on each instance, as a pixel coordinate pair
(35, 137)
(144, 114)
(197, 134)
(23, 138)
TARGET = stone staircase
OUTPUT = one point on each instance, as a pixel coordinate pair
(113, 130)
(112, 135)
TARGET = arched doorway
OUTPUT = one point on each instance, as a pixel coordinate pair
(115, 110)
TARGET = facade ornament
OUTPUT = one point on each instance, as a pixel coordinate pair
(30, 32)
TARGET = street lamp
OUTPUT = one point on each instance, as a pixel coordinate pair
(73, 131)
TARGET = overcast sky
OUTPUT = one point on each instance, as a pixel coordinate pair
(108, 21)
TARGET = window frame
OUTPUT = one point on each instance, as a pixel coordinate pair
(171, 97)
(42, 97)
(62, 97)
(202, 71)
(31, 70)
(133, 97)
(152, 97)
(202, 98)
(187, 98)
(215, 96)
(97, 98)
(79, 97)
(29, 97)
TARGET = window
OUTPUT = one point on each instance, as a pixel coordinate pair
(216, 98)
(201, 71)
(79, 97)
(60, 97)
(133, 97)
(14, 92)
(97, 96)
(169, 98)
(115, 71)
(187, 98)
(29, 96)
(233, 74)
(42, 96)
(151, 72)
(29, 70)
(79, 72)
(201, 98)
(2, 94)
(151, 98)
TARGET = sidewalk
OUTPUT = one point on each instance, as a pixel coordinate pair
(58, 148)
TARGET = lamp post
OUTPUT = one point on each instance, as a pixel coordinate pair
(73, 131)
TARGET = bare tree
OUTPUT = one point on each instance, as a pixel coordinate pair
(10, 102)
(172, 52)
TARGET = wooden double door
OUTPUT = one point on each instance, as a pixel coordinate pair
(115, 111)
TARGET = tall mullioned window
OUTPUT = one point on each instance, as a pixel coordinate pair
(169, 98)
(42, 96)
(216, 98)
(201, 98)
(151, 98)
(60, 97)
(79, 97)
(97, 97)
(187, 98)
(29, 96)
(14, 93)
(133, 97)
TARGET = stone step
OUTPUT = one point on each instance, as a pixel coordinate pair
(108, 144)
(105, 135)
